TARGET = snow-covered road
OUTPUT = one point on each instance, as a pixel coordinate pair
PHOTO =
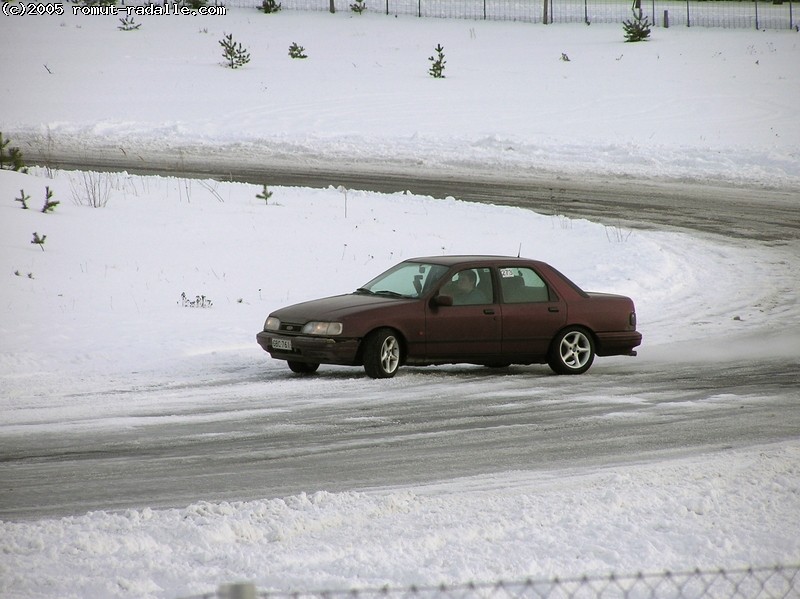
(246, 431)
(231, 424)
(760, 212)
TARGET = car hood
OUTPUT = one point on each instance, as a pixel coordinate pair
(334, 308)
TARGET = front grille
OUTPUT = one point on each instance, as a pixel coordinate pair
(291, 328)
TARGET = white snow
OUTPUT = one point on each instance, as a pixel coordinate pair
(98, 306)
(500, 527)
(691, 102)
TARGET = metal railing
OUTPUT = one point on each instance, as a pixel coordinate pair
(775, 582)
(757, 14)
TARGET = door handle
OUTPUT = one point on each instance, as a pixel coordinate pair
(488, 311)
(552, 309)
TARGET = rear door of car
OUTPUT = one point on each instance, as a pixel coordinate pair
(532, 313)
(466, 332)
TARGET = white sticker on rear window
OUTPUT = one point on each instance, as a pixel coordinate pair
(506, 273)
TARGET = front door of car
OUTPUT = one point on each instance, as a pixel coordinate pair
(532, 313)
(471, 328)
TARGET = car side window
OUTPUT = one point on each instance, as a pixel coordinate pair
(470, 287)
(521, 285)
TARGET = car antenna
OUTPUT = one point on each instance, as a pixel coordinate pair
(519, 251)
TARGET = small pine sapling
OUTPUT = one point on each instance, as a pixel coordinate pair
(437, 64)
(38, 240)
(269, 6)
(636, 29)
(10, 158)
(49, 203)
(23, 199)
(128, 24)
(296, 51)
(358, 6)
(265, 195)
(233, 52)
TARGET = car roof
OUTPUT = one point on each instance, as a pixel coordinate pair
(477, 260)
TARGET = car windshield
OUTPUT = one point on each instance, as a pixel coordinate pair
(408, 279)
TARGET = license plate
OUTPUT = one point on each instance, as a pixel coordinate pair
(285, 344)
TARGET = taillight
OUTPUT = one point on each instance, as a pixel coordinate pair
(632, 319)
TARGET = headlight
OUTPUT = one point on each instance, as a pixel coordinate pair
(322, 328)
(272, 324)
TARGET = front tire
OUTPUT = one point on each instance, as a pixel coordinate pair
(302, 367)
(572, 351)
(381, 354)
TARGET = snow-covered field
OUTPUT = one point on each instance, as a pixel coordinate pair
(690, 102)
(98, 305)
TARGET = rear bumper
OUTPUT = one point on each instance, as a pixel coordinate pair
(316, 350)
(618, 344)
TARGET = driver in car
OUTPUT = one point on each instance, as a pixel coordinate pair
(464, 289)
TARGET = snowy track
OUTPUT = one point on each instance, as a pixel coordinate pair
(739, 211)
(263, 434)
(231, 424)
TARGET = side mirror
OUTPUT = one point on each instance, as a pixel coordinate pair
(443, 300)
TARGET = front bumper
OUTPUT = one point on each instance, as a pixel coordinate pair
(316, 350)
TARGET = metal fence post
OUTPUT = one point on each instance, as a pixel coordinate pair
(237, 590)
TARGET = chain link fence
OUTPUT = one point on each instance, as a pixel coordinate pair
(758, 14)
(776, 582)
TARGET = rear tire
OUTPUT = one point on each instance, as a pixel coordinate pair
(572, 351)
(382, 354)
(302, 367)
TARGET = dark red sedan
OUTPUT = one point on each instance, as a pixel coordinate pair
(489, 310)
